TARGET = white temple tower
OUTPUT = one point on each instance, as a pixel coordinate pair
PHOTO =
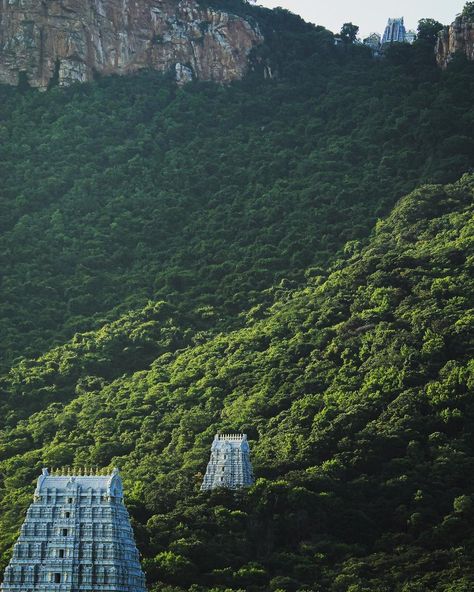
(230, 464)
(76, 538)
(395, 31)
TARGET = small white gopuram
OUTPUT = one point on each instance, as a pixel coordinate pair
(230, 464)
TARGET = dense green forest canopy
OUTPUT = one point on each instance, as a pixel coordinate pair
(356, 392)
(177, 261)
(131, 189)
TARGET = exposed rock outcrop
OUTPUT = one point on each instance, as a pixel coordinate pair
(457, 38)
(71, 40)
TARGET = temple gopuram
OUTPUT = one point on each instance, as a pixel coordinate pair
(230, 464)
(76, 538)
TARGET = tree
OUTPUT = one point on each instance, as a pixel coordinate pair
(468, 11)
(428, 30)
(349, 32)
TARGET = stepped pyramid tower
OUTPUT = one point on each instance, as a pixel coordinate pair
(76, 538)
(230, 464)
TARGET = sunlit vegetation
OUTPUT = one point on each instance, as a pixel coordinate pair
(355, 391)
(288, 257)
(129, 189)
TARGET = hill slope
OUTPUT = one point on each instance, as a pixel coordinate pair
(129, 189)
(355, 392)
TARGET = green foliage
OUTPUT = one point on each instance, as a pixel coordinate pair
(349, 32)
(468, 11)
(177, 261)
(129, 189)
(356, 392)
(428, 30)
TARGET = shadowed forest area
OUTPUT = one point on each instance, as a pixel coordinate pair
(291, 257)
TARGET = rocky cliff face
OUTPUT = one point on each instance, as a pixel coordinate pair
(71, 40)
(459, 37)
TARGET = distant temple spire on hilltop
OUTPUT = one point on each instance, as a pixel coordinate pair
(395, 31)
(373, 41)
(230, 464)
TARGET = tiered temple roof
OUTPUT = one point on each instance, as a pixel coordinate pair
(230, 464)
(76, 538)
(395, 31)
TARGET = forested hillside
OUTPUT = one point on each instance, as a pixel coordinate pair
(131, 189)
(356, 392)
(290, 256)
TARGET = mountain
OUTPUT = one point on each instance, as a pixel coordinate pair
(288, 255)
(130, 189)
(458, 38)
(355, 391)
(66, 41)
